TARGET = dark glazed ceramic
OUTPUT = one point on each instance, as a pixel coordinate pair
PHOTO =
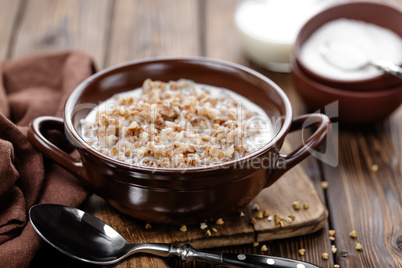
(173, 195)
(353, 106)
(381, 14)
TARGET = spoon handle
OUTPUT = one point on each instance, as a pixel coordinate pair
(188, 253)
(251, 260)
(388, 68)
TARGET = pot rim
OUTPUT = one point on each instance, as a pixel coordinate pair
(74, 96)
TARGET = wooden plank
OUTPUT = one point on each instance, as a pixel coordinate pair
(143, 28)
(51, 26)
(317, 243)
(221, 39)
(368, 201)
(9, 18)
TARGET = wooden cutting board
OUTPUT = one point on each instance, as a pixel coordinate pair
(295, 185)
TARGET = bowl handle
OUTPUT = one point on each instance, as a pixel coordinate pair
(316, 139)
(35, 135)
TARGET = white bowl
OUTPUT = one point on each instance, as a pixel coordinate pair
(268, 28)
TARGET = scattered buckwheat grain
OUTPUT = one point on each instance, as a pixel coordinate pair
(266, 213)
(220, 221)
(203, 225)
(208, 233)
(353, 234)
(296, 205)
(374, 168)
(324, 185)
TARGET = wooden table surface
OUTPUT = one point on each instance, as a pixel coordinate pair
(115, 31)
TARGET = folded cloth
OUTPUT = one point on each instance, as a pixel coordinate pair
(30, 88)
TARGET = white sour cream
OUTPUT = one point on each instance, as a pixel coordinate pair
(352, 43)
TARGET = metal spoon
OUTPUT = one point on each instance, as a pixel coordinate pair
(357, 58)
(85, 237)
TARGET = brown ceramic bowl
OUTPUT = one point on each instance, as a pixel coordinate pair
(381, 14)
(178, 196)
(354, 106)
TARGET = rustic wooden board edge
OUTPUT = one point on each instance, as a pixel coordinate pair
(221, 241)
(293, 230)
(261, 236)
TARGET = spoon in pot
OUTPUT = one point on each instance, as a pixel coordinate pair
(335, 53)
(85, 237)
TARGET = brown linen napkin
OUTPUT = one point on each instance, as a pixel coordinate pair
(30, 88)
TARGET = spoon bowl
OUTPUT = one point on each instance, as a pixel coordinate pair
(78, 234)
(85, 237)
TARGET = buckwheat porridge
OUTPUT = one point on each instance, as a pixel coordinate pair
(179, 124)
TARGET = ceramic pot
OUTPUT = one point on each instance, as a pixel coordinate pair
(355, 107)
